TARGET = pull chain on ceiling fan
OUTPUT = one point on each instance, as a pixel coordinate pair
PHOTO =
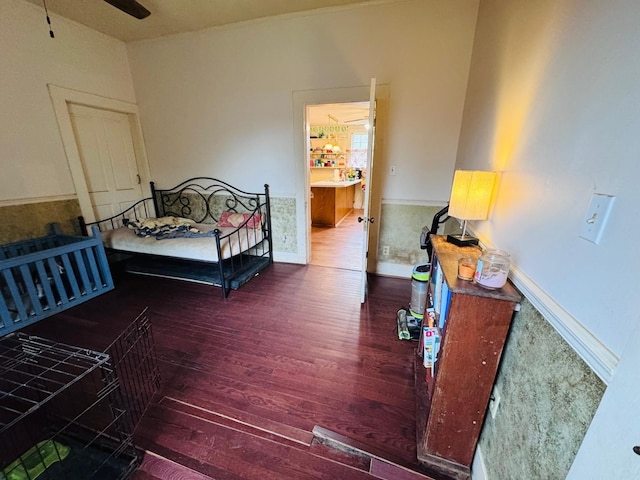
(46, 12)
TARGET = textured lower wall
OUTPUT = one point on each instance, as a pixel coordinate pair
(32, 219)
(400, 228)
(283, 224)
(548, 399)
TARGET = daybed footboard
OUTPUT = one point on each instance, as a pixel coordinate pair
(229, 242)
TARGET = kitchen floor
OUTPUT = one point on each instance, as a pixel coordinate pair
(338, 247)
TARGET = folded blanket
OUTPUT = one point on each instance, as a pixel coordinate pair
(163, 222)
(179, 232)
(167, 227)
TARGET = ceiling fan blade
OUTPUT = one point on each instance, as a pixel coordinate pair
(131, 7)
(357, 121)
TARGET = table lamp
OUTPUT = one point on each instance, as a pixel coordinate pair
(470, 200)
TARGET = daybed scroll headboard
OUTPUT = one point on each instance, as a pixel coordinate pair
(203, 199)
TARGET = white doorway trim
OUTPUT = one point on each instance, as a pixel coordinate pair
(300, 101)
(61, 97)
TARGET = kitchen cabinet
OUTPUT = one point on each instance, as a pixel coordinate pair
(331, 202)
(452, 399)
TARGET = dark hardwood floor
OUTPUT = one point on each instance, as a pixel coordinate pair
(245, 380)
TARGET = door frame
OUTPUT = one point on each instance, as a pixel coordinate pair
(61, 97)
(301, 99)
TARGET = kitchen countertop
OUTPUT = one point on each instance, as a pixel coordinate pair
(332, 184)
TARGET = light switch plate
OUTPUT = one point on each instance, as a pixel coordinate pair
(596, 217)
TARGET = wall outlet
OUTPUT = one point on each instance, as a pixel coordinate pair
(385, 250)
(392, 170)
(494, 402)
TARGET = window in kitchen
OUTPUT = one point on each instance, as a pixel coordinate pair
(359, 143)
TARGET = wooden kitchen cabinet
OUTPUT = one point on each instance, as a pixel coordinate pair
(330, 205)
(453, 399)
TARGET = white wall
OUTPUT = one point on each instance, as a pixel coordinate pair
(553, 105)
(219, 102)
(32, 157)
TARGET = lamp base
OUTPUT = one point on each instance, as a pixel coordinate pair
(462, 240)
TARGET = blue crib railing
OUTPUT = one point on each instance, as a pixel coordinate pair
(43, 276)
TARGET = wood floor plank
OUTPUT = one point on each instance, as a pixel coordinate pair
(154, 467)
(388, 471)
(295, 438)
(291, 349)
(299, 386)
(305, 414)
(380, 372)
(239, 453)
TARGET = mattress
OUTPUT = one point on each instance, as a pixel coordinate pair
(192, 248)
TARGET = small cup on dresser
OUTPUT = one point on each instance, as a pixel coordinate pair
(466, 268)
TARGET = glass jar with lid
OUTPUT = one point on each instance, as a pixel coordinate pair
(492, 269)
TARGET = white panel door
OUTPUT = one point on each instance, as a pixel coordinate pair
(367, 220)
(107, 154)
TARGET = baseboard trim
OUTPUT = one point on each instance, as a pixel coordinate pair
(394, 270)
(286, 257)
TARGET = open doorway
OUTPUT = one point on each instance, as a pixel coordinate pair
(378, 96)
(336, 168)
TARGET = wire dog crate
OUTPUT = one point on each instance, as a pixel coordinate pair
(69, 412)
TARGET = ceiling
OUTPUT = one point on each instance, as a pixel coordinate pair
(356, 113)
(177, 16)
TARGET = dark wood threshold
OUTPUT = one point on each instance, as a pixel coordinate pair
(382, 463)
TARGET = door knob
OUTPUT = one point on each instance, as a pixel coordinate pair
(636, 449)
(361, 219)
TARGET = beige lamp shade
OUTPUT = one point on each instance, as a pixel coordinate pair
(471, 194)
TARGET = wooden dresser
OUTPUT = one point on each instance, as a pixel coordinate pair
(452, 402)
